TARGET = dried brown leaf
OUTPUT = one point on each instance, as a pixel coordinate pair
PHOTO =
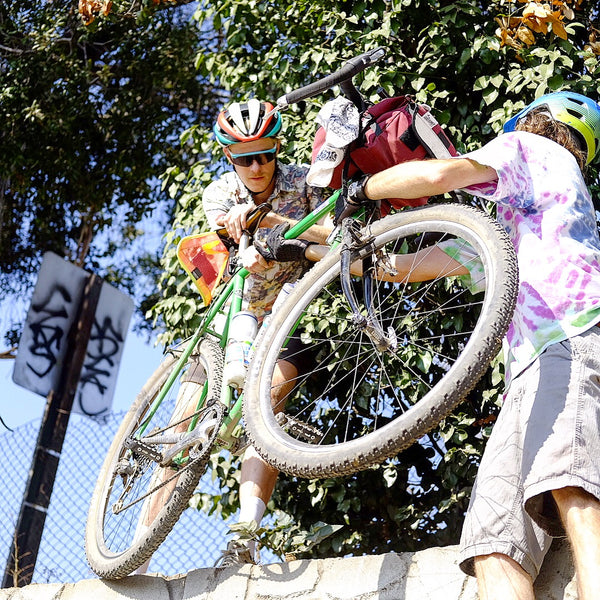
(557, 25)
(525, 35)
(536, 25)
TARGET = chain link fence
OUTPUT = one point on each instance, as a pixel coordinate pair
(195, 542)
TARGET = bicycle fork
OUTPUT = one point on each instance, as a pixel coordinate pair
(356, 241)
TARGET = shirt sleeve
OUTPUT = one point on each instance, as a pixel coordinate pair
(217, 199)
(463, 253)
(508, 157)
(314, 195)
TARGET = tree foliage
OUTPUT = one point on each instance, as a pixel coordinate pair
(89, 117)
(474, 63)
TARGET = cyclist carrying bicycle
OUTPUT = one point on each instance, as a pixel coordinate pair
(248, 133)
(539, 475)
(348, 418)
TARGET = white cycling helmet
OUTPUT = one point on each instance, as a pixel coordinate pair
(246, 122)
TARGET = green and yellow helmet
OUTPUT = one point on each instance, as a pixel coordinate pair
(578, 112)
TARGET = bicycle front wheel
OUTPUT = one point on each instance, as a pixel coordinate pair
(363, 399)
(145, 482)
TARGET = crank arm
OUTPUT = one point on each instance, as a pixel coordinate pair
(302, 430)
(200, 435)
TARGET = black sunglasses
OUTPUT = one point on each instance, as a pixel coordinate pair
(246, 160)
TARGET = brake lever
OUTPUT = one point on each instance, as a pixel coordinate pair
(253, 221)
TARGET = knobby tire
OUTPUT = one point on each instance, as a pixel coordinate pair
(358, 405)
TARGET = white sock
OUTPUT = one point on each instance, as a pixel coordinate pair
(252, 509)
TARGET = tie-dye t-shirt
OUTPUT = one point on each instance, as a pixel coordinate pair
(547, 210)
(292, 198)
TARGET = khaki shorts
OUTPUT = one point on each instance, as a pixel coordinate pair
(546, 437)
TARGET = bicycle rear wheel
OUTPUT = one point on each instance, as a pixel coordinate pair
(141, 491)
(364, 401)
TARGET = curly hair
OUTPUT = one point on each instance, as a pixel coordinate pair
(540, 122)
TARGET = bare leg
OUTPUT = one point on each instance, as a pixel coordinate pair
(580, 514)
(258, 478)
(499, 577)
(186, 406)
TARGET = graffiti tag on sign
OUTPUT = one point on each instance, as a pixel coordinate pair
(43, 346)
(47, 331)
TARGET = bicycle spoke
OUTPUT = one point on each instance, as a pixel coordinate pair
(362, 387)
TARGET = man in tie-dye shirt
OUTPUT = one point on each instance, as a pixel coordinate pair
(540, 474)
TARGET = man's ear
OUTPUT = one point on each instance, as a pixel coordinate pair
(227, 154)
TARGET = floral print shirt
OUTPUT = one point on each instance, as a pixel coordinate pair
(547, 210)
(293, 198)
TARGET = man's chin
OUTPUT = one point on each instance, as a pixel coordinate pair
(257, 186)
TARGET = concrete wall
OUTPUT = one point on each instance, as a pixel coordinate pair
(428, 575)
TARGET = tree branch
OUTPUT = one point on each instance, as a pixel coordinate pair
(8, 354)
(18, 51)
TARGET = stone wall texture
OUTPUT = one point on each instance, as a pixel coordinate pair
(427, 575)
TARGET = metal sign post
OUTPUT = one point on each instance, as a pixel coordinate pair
(69, 352)
(30, 526)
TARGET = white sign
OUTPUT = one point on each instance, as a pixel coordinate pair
(43, 345)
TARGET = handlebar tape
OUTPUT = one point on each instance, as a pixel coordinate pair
(350, 69)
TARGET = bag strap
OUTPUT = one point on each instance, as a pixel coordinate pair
(424, 126)
(435, 142)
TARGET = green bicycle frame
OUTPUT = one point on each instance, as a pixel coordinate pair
(233, 290)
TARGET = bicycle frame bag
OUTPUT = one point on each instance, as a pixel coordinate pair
(392, 131)
(204, 258)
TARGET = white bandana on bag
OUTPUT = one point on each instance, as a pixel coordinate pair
(341, 120)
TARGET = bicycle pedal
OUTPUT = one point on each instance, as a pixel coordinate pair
(300, 429)
(143, 449)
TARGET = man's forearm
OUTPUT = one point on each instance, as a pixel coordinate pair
(424, 265)
(421, 178)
